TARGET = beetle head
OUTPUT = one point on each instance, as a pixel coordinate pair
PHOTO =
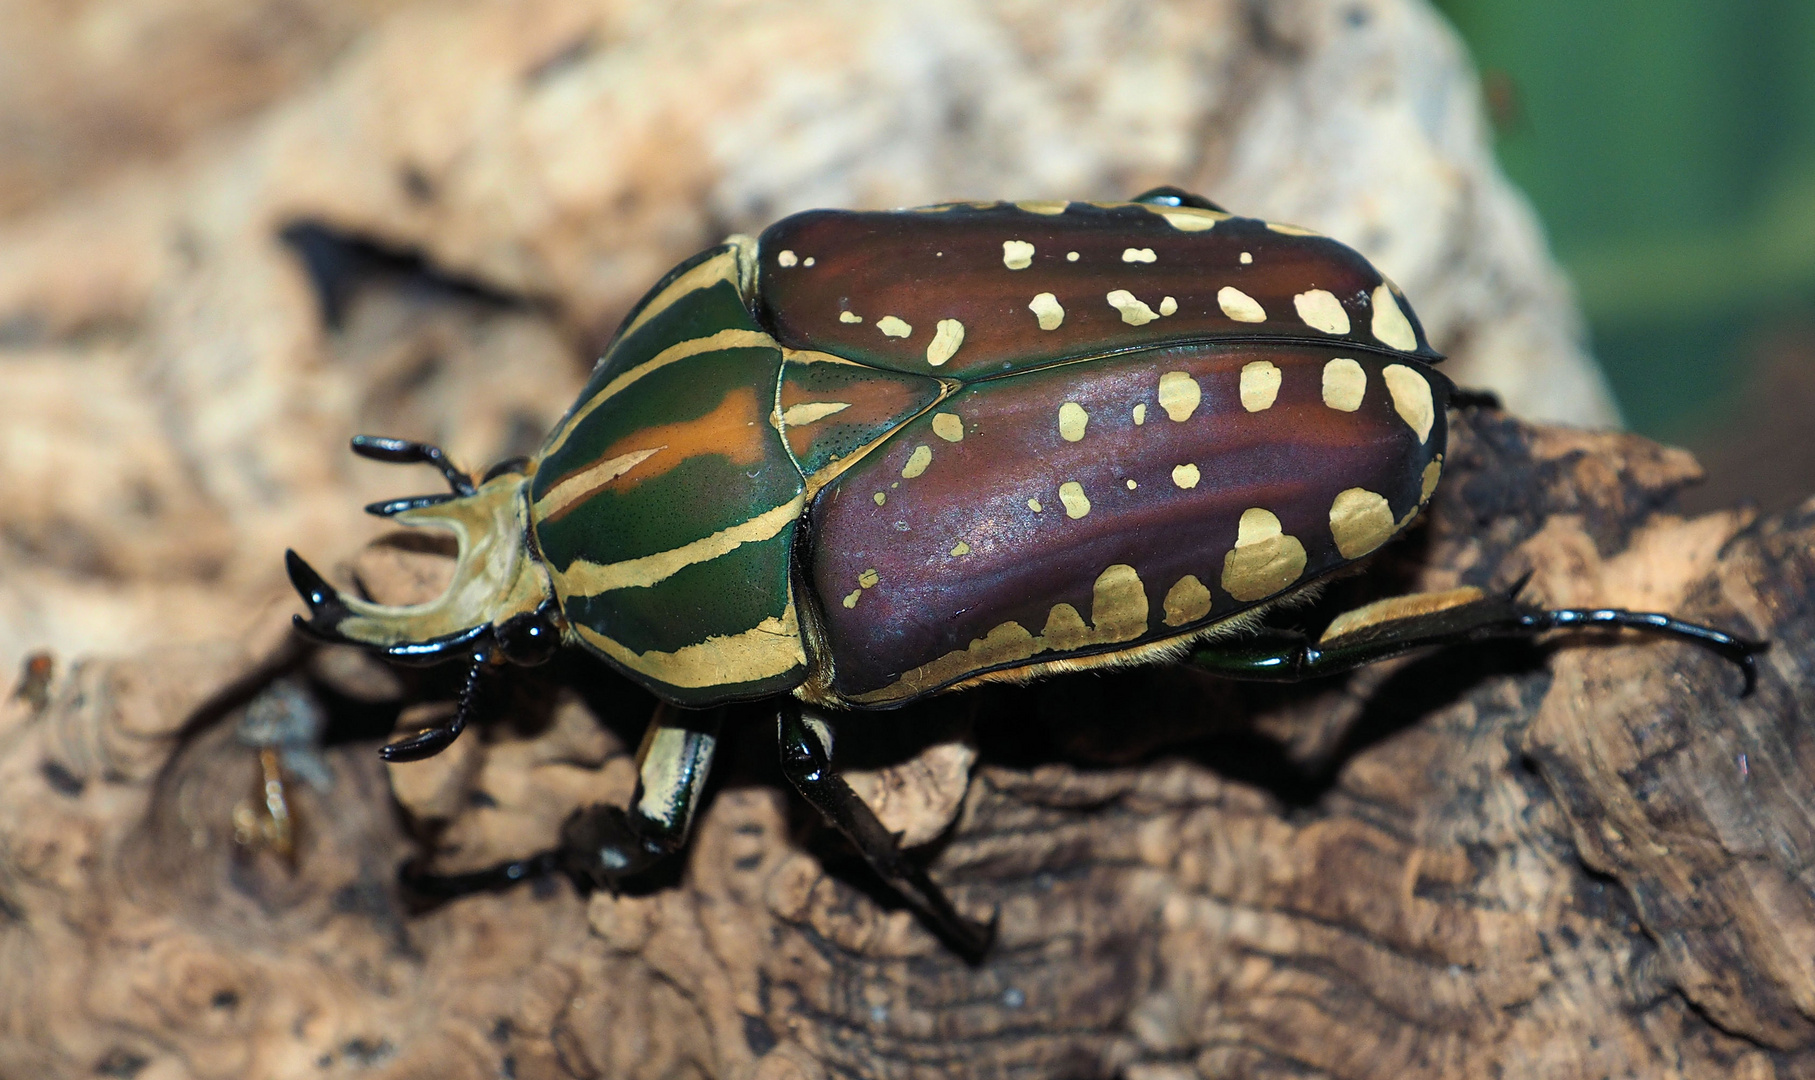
(500, 600)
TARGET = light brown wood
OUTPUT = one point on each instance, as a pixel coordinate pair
(1583, 860)
(1575, 861)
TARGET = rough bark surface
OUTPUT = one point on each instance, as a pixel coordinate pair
(1584, 860)
(1578, 861)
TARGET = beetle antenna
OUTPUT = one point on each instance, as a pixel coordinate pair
(407, 452)
(435, 738)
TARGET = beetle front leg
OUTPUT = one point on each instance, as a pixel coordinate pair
(601, 844)
(1397, 625)
(806, 759)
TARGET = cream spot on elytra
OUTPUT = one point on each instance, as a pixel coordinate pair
(1134, 312)
(961, 548)
(1046, 309)
(1043, 206)
(1132, 485)
(1186, 475)
(1320, 310)
(1071, 493)
(946, 340)
(948, 426)
(880, 497)
(1072, 420)
(1034, 505)
(1390, 326)
(1344, 384)
(1264, 560)
(1168, 306)
(1361, 521)
(786, 258)
(1140, 415)
(1411, 398)
(917, 462)
(1432, 473)
(1260, 385)
(1187, 601)
(851, 600)
(1179, 395)
(1071, 256)
(869, 578)
(1239, 305)
(808, 261)
(1247, 257)
(1138, 255)
(1017, 254)
(849, 317)
(893, 327)
(1118, 604)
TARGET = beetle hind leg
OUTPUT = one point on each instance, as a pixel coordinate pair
(807, 761)
(1398, 625)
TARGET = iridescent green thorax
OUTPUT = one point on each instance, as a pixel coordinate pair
(666, 503)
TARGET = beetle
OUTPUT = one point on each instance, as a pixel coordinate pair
(869, 457)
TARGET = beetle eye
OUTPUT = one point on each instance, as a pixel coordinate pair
(529, 639)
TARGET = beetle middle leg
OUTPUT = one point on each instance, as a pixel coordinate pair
(600, 843)
(1397, 625)
(806, 759)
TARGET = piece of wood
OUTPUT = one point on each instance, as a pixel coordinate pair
(1577, 860)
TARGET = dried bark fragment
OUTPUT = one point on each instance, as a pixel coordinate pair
(1570, 861)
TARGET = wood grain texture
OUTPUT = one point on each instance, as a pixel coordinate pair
(1570, 862)
(1584, 863)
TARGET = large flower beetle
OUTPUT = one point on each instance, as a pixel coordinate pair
(869, 457)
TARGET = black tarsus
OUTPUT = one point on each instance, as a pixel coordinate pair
(435, 738)
(808, 766)
(1722, 644)
(1278, 655)
(408, 452)
(602, 844)
(491, 879)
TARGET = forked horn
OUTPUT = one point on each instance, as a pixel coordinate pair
(327, 608)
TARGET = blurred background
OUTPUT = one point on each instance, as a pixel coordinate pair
(1669, 148)
(233, 232)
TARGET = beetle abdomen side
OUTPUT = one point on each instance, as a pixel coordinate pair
(972, 291)
(1099, 507)
(665, 503)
